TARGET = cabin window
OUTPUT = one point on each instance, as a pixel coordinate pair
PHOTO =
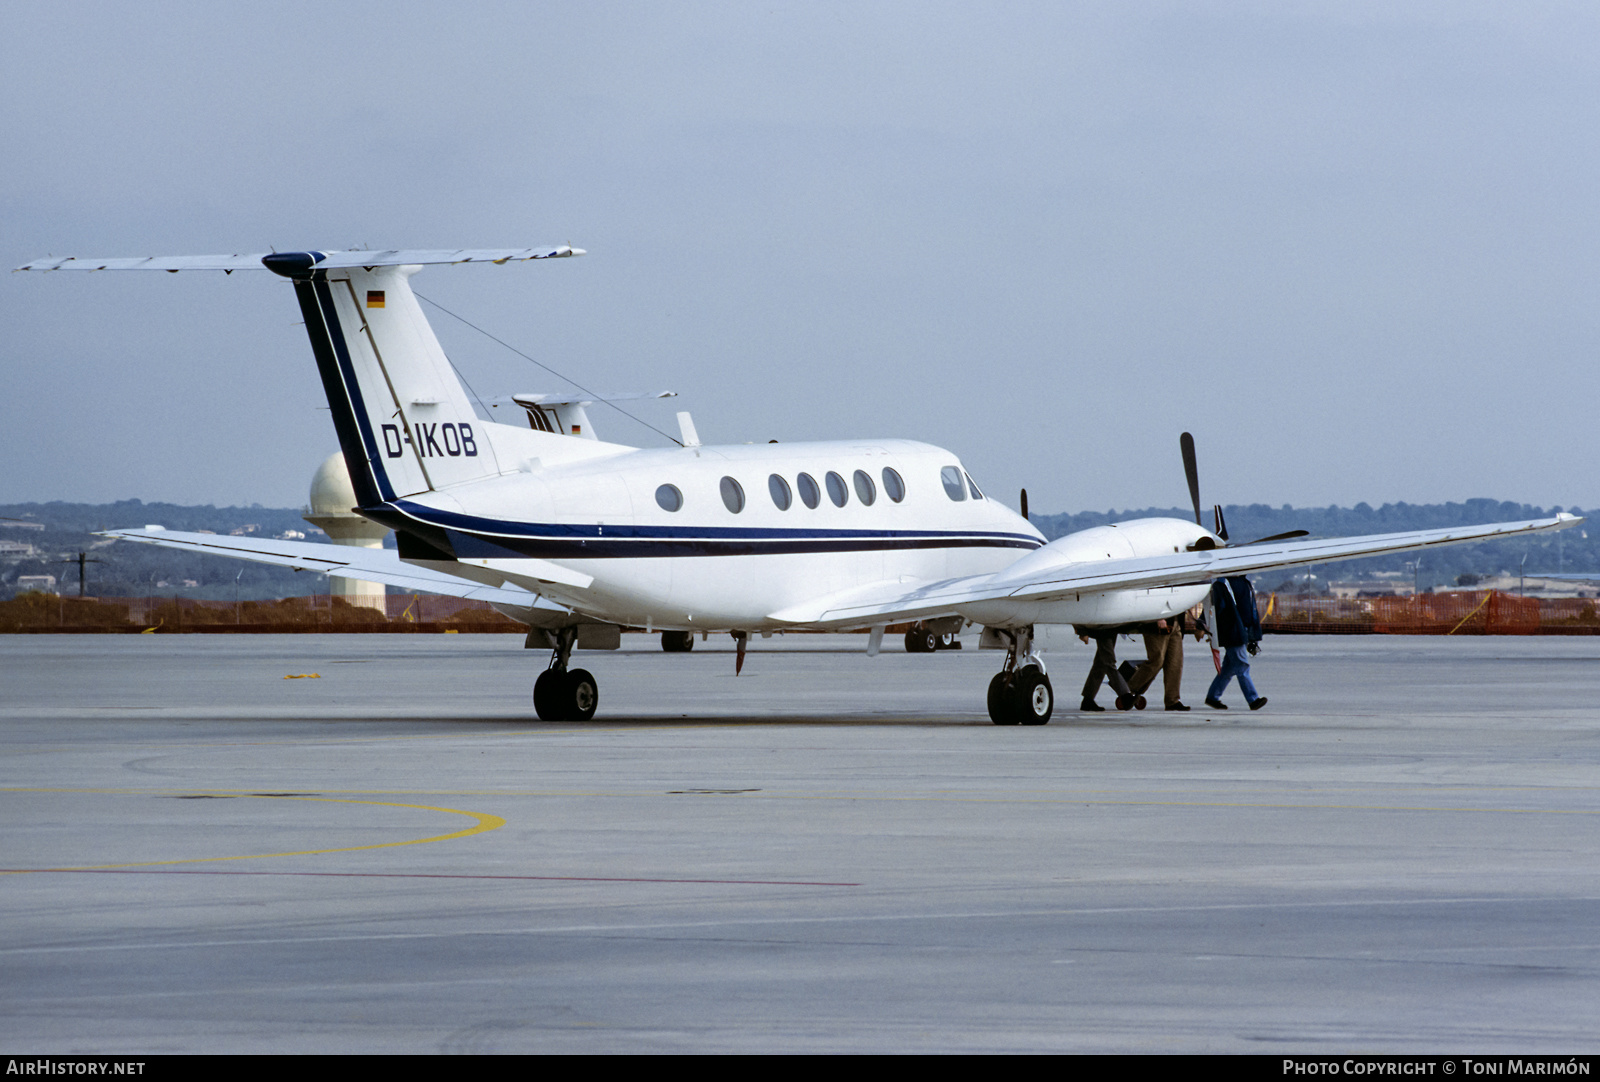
(951, 476)
(836, 490)
(893, 486)
(866, 491)
(974, 487)
(810, 494)
(732, 495)
(781, 497)
(669, 498)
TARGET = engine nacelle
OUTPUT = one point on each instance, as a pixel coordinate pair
(1121, 541)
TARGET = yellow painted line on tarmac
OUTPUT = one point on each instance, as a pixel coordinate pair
(484, 823)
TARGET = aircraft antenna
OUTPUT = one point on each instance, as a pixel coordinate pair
(547, 368)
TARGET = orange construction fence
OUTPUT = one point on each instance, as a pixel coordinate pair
(1479, 612)
(319, 612)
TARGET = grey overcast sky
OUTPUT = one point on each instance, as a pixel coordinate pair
(1351, 246)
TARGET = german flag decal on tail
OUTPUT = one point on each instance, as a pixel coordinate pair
(374, 298)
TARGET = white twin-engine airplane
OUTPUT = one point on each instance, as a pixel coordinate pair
(578, 537)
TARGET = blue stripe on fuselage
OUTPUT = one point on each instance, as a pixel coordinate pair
(352, 388)
(506, 528)
(346, 423)
(602, 546)
(472, 537)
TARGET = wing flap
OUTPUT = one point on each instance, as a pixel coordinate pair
(898, 599)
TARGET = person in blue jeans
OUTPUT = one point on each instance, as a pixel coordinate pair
(1238, 628)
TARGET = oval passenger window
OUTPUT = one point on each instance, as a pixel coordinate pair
(732, 495)
(951, 476)
(780, 492)
(866, 491)
(893, 486)
(810, 494)
(669, 498)
(836, 490)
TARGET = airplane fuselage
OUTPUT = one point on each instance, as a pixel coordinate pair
(714, 537)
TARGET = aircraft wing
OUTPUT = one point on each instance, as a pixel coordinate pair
(346, 561)
(891, 602)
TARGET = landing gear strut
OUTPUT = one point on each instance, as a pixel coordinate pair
(562, 694)
(1020, 693)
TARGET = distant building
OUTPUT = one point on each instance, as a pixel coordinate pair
(1530, 586)
(42, 584)
(15, 550)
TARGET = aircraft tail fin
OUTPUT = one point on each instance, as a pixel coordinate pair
(404, 421)
(403, 418)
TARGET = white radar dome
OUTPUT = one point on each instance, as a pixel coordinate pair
(331, 490)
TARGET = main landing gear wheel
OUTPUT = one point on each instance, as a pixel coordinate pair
(547, 694)
(1032, 697)
(1021, 698)
(921, 640)
(583, 695)
(566, 696)
(677, 642)
(562, 694)
(1000, 711)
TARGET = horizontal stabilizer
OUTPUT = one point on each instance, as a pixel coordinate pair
(303, 261)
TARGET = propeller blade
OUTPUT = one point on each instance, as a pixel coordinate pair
(1279, 537)
(1024, 503)
(1222, 525)
(1191, 470)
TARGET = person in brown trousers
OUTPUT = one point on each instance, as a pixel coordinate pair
(1163, 648)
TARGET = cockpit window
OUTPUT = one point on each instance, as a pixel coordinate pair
(975, 493)
(951, 476)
